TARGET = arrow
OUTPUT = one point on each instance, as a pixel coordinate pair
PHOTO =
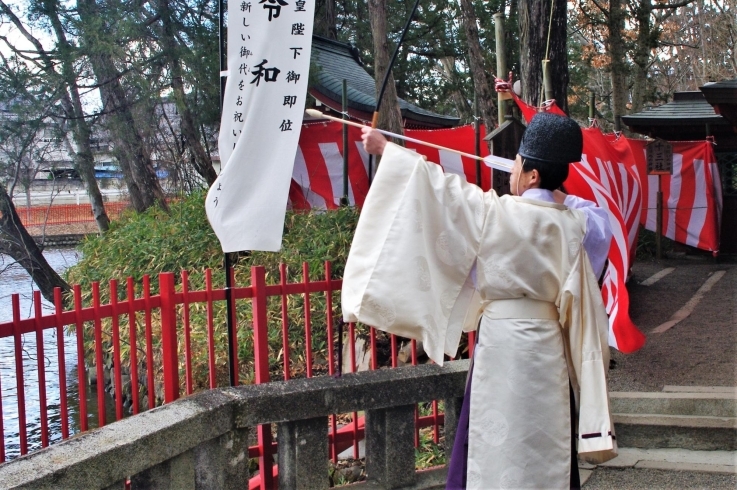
(492, 161)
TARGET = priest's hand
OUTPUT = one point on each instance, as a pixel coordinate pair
(373, 141)
(559, 196)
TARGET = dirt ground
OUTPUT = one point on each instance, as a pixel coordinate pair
(65, 229)
(701, 350)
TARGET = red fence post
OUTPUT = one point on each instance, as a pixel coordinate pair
(2, 430)
(260, 324)
(81, 372)
(308, 319)
(59, 305)
(41, 363)
(150, 390)
(261, 358)
(170, 356)
(100, 368)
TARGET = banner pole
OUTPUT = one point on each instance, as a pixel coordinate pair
(227, 263)
(223, 55)
(344, 200)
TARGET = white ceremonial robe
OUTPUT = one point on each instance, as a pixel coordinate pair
(543, 324)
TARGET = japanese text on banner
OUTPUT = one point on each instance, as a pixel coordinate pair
(269, 45)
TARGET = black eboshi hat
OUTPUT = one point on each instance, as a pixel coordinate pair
(550, 138)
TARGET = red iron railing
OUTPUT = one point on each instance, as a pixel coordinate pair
(59, 214)
(165, 351)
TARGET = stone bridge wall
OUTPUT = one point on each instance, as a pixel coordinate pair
(201, 442)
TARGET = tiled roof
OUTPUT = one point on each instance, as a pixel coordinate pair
(687, 108)
(728, 84)
(721, 92)
(338, 61)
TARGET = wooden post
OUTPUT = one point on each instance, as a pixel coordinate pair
(501, 65)
(592, 105)
(547, 80)
(659, 156)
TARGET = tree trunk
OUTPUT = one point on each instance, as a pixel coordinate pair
(641, 58)
(199, 157)
(331, 30)
(534, 24)
(617, 65)
(390, 117)
(130, 149)
(463, 108)
(85, 164)
(16, 242)
(71, 102)
(481, 83)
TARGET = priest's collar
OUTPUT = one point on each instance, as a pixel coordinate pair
(539, 194)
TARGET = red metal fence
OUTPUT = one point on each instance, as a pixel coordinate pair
(150, 337)
(66, 213)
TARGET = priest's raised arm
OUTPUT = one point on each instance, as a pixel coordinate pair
(416, 241)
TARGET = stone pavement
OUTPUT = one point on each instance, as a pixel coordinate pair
(681, 385)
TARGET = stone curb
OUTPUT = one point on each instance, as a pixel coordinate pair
(686, 421)
(698, 433)
(675, 460)
(712, 404)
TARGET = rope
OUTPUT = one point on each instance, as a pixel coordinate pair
(550, 28)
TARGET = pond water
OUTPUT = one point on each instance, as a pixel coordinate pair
(14, 279)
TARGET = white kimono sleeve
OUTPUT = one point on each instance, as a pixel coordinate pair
(598, 236)
(416, 240)
(585, 329)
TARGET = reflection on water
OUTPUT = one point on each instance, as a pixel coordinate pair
(14, 279)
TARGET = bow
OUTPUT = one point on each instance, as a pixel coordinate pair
(375, 120)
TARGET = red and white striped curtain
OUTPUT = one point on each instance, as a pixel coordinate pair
(607, 177)
(692, 196)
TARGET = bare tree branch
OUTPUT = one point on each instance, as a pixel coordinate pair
(661, 6)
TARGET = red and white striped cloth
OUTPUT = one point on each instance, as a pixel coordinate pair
(606, 177)
(692, 196)
(317, 179)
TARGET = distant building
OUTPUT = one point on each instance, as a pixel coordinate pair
(51, 162)
(709, 112)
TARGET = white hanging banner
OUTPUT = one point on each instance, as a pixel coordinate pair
(269, 44)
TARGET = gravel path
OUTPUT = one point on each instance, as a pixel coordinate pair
(701, 350)
(635, 479)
